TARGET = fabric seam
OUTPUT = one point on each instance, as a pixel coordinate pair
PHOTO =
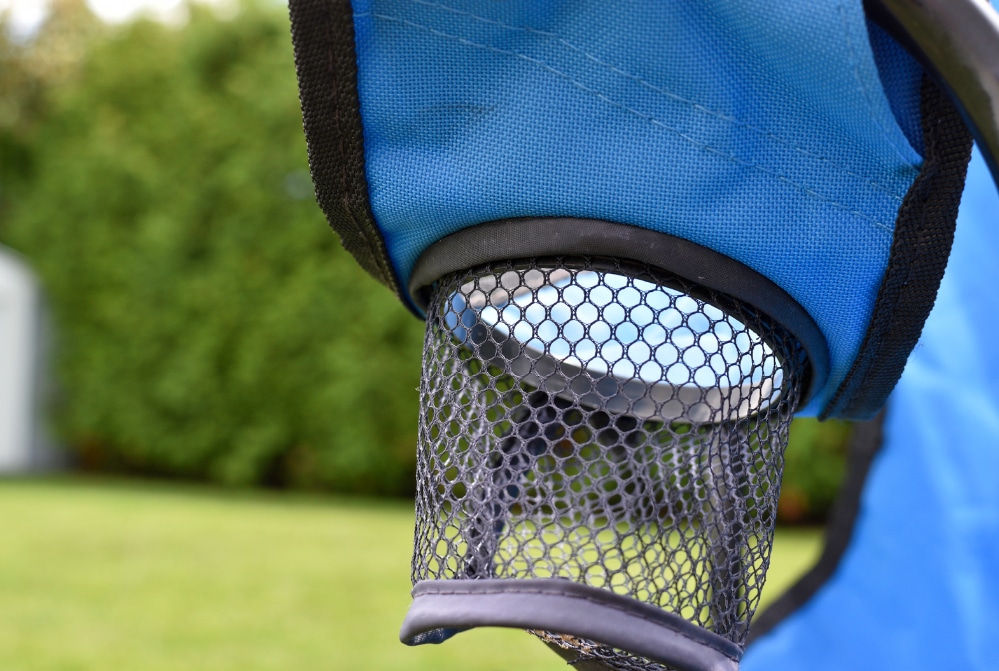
(888, 191)
(645, 117)
(855, 68)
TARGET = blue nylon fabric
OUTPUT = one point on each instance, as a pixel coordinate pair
(901, 77)
(919, 587)
(759, 130)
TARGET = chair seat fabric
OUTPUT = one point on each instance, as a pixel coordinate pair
(760, 131)
(917, 588)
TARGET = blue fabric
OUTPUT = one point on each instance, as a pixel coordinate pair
(901, 77)
(919, 587)
(759, 130)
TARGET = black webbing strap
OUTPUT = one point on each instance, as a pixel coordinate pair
(323, 35)
(924, 231)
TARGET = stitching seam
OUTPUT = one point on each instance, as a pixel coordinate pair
(670, 95)
(646, 117)
(855, 67)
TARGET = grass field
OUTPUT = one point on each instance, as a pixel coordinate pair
(109, 575)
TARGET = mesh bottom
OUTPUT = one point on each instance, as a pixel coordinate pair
(609, 425)
(581, 650)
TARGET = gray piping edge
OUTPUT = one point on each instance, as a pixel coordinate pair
(511, 239)
(567, 607)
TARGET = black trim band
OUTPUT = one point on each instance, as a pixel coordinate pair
(323, 34)
(567, 607)
(509, 239)
(924, 232)
(864, 447)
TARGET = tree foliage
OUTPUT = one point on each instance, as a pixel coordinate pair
(209, 323)
(814, 467)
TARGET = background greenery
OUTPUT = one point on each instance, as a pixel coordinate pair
(209, 325)
(98, 575)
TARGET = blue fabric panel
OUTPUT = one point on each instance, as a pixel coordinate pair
(759, 130)
(919, 587)
(901, 77)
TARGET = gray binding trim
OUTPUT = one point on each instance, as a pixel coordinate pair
(567, 607)
(511, 239)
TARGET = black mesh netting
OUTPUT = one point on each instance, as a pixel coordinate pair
(611, 425)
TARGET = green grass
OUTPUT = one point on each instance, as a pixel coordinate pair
(106, 575)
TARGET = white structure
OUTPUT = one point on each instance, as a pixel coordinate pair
(21, 445)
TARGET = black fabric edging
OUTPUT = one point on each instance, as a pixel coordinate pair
(924, 231)
(323, 35)
(864, 447)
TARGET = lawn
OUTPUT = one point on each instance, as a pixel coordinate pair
(108, 575)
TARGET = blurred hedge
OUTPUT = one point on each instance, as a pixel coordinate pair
(210, 325)
(814, 466)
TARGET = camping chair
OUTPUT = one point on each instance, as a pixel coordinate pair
(643, 238)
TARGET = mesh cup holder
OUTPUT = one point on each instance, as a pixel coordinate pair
(600, 453)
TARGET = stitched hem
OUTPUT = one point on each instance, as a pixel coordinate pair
(599, 602)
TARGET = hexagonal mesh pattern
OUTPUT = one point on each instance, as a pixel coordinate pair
(607, 424)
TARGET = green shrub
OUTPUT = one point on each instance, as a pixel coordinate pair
(814, 466)
(209, 323)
